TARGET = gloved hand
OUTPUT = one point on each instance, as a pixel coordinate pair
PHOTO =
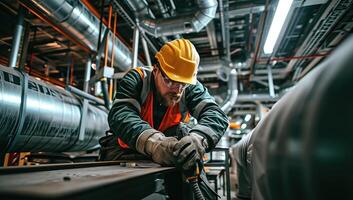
(160, 148)
(189, 150)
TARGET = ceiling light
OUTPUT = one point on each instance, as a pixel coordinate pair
(247, 117)
(243, 126)
(276, 25)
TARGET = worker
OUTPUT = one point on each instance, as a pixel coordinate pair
(151, 106)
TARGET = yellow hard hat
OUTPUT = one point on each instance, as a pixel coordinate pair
(179, 60)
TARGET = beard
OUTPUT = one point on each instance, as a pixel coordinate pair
(171, 98)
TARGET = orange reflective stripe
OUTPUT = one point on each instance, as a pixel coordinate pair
(187, 117)
(122, 144)
(139, 70)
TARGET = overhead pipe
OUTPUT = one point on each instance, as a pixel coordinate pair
(165, 13)
(16, 39)
(87, 74)
(271, 88)
(76, 20)
(135, 46)
(36, 116)
(221, 16)
(227, 36)
(193, 22)
(132, 24)
(258, 42)
(257, 97)
(232, 92)
(145, 50)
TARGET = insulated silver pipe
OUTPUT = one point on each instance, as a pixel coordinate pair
(17, 38)
(232, 91)
(193, 22)
(87, 74)
(270, 81)
(135, 46)
(145, 50)
(36, 116)
(74, 18)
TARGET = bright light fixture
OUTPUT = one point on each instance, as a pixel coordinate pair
(247, 117)
(276, 25)
(243, 126)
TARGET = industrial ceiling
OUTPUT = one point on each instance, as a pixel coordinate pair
(228, 34)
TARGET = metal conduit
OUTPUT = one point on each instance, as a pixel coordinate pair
(193, 22)
(35, 116)
(232, 92)
(73, 17)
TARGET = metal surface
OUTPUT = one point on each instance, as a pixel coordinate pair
(77, 21)
(17, 38)
(271, 88)
(131, 22)
(145, 50)
(211, 34)
(226, 31)
(257, 97)
(194, 22)
(221, 16)
(82, 181)
(25, 44)
(85, 95)
(87, 74)
(135, 46)
(232, 92)
(333, 13)
(299, 150)
(41, 117)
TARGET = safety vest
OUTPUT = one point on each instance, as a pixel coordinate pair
(174, 114)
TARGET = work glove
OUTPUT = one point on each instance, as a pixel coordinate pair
(159, 147)
(189, 150)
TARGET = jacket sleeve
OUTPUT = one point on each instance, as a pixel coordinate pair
(212, 121)
(124, 116)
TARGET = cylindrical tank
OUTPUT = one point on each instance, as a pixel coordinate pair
(36, 116)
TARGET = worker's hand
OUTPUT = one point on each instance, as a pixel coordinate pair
(189, 150)
(159, 147)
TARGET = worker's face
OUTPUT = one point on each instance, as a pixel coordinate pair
(170, 91)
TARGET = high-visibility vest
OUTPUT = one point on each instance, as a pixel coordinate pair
(174, 114)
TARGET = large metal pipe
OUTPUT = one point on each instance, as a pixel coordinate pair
(74, 18)
(35, 116)
(303, 147)
(193, 22)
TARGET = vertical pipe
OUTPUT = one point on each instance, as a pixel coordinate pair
(107, 41)
(270, 81)
(87, 74)
(145, 49)
(24, 47)
(226, 23)
(17, 38)
(221, 16)
(135, 46)
(72, 72)
(111, 85)
(114, 31)
(68, 68)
